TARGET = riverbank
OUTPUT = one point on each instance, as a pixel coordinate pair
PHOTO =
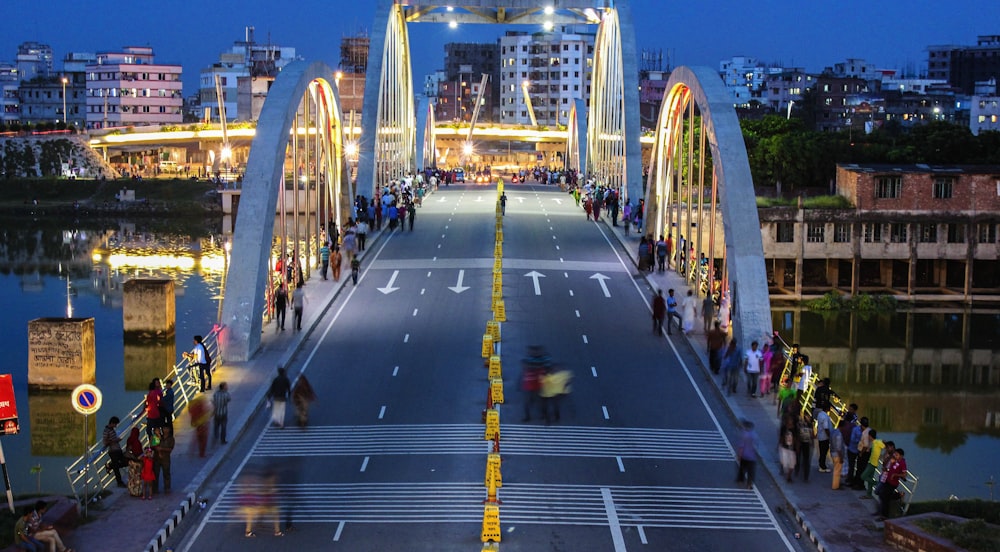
(109, 198)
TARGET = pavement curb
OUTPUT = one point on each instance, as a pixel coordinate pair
(168, 526)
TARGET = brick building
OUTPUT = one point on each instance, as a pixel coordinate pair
(922, 232)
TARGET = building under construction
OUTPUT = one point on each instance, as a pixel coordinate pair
(354, 54)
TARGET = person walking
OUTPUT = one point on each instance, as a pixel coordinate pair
(153, 399)
(503, 203)
(627, 218)
(689, 308)
(161, 459)
(707, 311)
(281, 306)
(413, 215)
(731, 368)
(746, 452)
(302, 396)
(837, 452)
(823, 430)
(659, 312)
(752, 361)
(336, 259)
(661, 254)
(220, 413)
(806, 435)
(277, 395)
(324, 259)
(361, 231)
(201, 415)
(116, 457)
(133, 452)
(147, 474)
(298, 304)
(533, 367)
(672, 311)
(787, 446)
(715, 340)
(167, 403)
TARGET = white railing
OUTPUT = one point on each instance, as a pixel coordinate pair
(87, 473)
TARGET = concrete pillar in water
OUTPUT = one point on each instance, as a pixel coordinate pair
(149, 309)
(60, 353)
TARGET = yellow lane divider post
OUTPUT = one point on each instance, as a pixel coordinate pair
(494, 367)
(491, 523)
(493, 469)
(493, 328)
(492, 423)
(487, 345)
(496, 387)
(499, 312)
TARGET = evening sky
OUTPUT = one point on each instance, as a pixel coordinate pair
(892, 34)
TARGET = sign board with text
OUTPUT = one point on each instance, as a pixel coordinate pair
(8, 407)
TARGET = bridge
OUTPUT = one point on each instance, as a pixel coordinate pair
(699, 187)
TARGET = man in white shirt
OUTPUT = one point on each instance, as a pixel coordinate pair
(823, 424)
(751, 366)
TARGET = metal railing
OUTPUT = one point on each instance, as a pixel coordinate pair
(87, 473)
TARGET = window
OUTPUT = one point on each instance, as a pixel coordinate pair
(815, 232)
(897, 232)
(786, 232)
(928, 233)
(888, 187)
(841, 232)
(956, 233)
(873, 232)
(987, 232)
(943, 188)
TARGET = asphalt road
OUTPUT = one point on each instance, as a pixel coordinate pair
(394, 456)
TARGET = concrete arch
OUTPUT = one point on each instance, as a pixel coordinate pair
(751, 306)
(245, 302)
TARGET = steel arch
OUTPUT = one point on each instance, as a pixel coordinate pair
(738, 203)
(244, 301)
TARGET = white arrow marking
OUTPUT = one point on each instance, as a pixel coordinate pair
(479, 199)
(458, 287)
(535, 276)
(388, 287)
(521, 199)
(442, 200)
(601, 280)
(557, 200)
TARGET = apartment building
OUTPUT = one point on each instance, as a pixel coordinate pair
(921, 232)
(127, 88)
(552, 68)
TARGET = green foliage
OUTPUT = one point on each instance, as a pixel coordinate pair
(818, 202)
(863, 303)
(988, 511)
(53, 154)
(973, 535)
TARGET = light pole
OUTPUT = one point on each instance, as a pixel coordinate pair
(65, 117)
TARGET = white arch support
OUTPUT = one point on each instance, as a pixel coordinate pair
(388, 125)
(672, 206)
(249, 270)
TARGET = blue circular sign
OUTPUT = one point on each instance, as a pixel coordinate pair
(86, 399)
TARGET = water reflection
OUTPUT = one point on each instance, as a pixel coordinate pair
(928, 379)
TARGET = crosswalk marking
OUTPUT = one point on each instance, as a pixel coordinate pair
(540, 504)
(576, 441)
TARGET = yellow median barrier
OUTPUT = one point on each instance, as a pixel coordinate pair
(499, 312)
(487, 345)
(492, 423)
(491, 523)
(493, 469)
(494, 371)
(496, 387)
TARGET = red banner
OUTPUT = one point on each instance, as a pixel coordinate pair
(8, 407)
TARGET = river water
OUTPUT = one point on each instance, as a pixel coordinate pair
(928, 379)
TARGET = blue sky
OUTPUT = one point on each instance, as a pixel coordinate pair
(890, 33)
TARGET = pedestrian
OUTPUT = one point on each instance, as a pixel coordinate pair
(201, 415)
(716, 340)
(355, 269)
(302, 396)
(336, 260)
(153, 399)
(731, 368)
(688, 308)
(113, 442)
(787, 446)
(823, 430)
(672, 311)
(627, 217)
(661, 254)
(298, 303)
(659, 312)
(167, 402)
(199, 356)
(220, 413)
(277, 395)
(746, 452)
(806, 436)
(503, 203)
(133, 452)
(707, 311)
(161, 458)
(889, 482)
(324, 259)
(765, 370)
(350, 244)
(554, 384)
(413, 214)
(281, 305)
(752, 361)
(361, 233)
(147, 474)
(882, 452)
(837, 452)
(853, 471)
(532, 369)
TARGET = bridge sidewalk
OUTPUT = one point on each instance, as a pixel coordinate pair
(833, 520)
(122, 522)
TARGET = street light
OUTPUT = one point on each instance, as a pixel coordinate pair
(64, 81)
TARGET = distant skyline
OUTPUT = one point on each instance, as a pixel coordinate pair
(892, 34)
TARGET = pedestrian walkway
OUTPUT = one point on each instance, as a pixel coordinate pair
(134, 524)
(834, 520)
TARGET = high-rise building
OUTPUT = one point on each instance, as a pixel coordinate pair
(351, 75)
(966, 66)
(127, 88)
(10, 102)
(464, 66)
(553, 68)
